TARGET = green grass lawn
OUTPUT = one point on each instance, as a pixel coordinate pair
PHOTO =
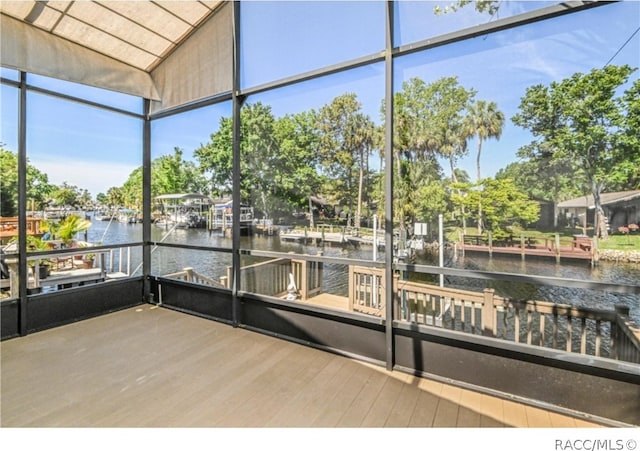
(621, 242)
(614, 242)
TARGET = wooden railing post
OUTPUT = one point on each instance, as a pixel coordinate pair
(301, 274)
(621, 310)
(490, 236)
(319, 273)
(229, 281)
(488, 312)
(352, 287)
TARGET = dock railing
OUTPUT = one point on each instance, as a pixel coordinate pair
(189, 275)
(558, 247)
(271, 277)
(626, 337)
(605, 333)
(539, 323)
(367, 290)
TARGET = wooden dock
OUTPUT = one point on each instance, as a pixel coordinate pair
(328, 234)
(562, 254)
(317, 237)
(580, 248)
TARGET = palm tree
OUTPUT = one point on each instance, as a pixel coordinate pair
(485, 121)
(453, 145)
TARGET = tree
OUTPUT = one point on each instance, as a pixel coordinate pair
(500, 201)
(67, 194)
(297, 141)
(215, 158)
(278, 158)
(38, 187)
(545, 179)
(257, 148)
(346, 141)
(102, 198)
(432, 200)
(582, 121)
(631, 136)
(482, 6)
(85, 199)
(115, 197)
(429, 122)
(170, 174)
(484, 121)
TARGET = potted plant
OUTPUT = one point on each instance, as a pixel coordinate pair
(35, 244)
(87, 261)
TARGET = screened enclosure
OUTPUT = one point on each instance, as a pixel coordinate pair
(432, 187)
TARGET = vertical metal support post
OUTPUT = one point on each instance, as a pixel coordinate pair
(146, 205)
(441, 247)
(388, 187)
(22, 203)
(236, 106)
(129, 261)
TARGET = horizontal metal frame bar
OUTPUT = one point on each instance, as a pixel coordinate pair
(424, 269)
(9, 82)
(316, 310)
(318, 73)
(549, 12)
(190, 285)
(318, 258)
(588, 364)
(510, 22)
(75, 250)
(226, 250)
(82, 101)
(511, 397)
(201, 103)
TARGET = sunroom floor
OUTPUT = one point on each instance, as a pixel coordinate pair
(155, 367)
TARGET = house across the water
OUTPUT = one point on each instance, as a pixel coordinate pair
(621, 208)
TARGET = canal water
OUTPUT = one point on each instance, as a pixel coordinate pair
(214, 264)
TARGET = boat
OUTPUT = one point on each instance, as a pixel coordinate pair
(164, 222)
(183, 210)
(222, 215)
(103, 215)
(127, 216)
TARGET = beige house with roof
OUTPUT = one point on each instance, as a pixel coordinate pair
(621, 208)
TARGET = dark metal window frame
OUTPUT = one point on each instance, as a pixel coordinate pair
(237, 97)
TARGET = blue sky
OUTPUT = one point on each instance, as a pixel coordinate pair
(94, 149)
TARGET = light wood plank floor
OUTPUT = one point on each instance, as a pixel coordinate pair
(153, 367)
